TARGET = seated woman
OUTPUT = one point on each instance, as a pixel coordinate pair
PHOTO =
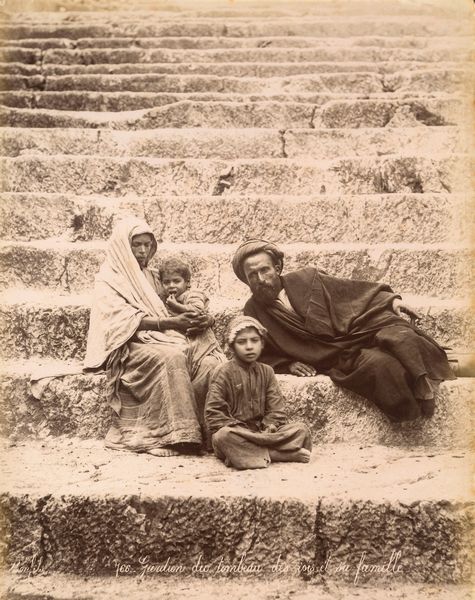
(157, 405)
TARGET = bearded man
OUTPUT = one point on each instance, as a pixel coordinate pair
(352, 331)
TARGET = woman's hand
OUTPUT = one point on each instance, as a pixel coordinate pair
(182, 323)
(190, 322)
(302, 370)
(399, 307)
(201, 322)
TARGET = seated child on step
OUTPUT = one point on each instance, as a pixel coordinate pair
(244, 410)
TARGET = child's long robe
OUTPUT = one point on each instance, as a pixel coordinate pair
(242, 399)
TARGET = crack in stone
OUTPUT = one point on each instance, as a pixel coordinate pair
(386, 84)
(65, 274)
(225, 181)
(282, 133)
(312, 117)
(161, 217)
(47, 544)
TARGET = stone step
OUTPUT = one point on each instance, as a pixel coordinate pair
(50, 326)
(231, 144)
(176, 587)
(78, 508)
(234, 69)
(122, 175)
(430, 269)
(180, 114)
(256, 9)
(207, 9)
(333, 54)
(322, 27)
(76, 405)
(424, 80)
(241, 111)
(342, 44)
(422, 218)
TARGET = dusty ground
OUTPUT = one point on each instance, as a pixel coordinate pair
(156, 588)
(71, 466)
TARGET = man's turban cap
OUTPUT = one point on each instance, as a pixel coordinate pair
(251, 247)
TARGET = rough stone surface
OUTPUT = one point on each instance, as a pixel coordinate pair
(423, 218)
(119, 176)
(183, 143)
(376, 47)
(329, 54)
(103, 506)
(42, 330)
(56, 327)
(77, 405)
(244, 143)
(363, 83)
(234, 69)
(432, 270)
(379, 113)
(322, 27)
(54, 109)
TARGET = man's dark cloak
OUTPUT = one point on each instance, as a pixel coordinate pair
(336, 319)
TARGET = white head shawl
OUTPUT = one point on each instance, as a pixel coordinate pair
(123, 297)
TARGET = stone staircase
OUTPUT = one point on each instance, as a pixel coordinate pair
(342, 134)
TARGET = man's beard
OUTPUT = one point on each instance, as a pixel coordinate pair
(265, 293)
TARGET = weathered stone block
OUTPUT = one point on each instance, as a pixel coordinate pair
(57, 329)
(183, 143)
(379, 113)
(102, 508)
(77, 405)
(432, 271)
(246, 143)
(323, 27)
(119, 176)
(148, 54)
(422, 218)
(363, 83)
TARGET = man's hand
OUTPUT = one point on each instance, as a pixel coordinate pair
(302, 370)
(399, 307)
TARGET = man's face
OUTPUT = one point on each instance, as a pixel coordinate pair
(263, 277)
(141, 248)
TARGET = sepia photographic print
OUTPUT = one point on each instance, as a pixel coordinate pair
(236, 275)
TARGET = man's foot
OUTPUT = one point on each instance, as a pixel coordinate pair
(463, 364)
(163, 452)
(303, 455)
(427, 408)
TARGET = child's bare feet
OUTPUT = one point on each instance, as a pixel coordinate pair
(302, 455)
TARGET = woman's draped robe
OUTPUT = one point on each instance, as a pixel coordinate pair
(151, 392)
(348, 330)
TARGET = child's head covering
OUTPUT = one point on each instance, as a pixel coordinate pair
(239, 323)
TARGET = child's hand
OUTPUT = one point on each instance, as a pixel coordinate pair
(172, 303)
(270, 428)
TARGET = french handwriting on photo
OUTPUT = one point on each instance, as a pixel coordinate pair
(357, 569)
